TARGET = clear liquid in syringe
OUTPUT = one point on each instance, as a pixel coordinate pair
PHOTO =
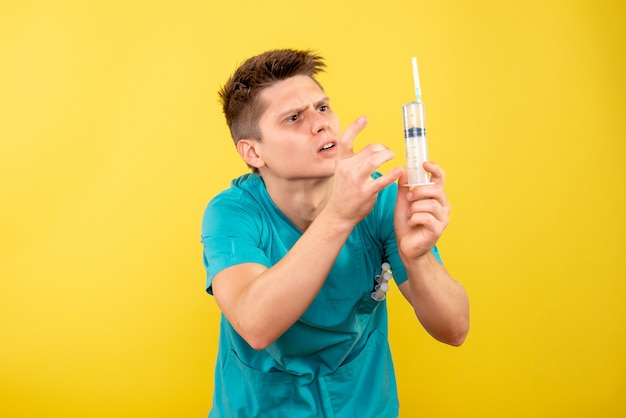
(415, 143)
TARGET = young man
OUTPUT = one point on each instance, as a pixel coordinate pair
(292, 251)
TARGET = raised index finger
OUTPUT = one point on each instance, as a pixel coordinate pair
(346, 140)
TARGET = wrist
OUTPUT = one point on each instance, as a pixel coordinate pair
(336, 220)
(331, 227)
(421, 263)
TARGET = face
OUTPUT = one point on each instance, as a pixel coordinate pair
(299, 131)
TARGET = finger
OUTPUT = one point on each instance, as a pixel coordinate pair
(430, 192)
(402, 182)
(346, 140)
(385, 180)
(432, 206)
(437, 175)
(402, 201)
(372, 156)
(428, 221)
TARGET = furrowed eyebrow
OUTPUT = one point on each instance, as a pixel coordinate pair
(290, 112)
(323, 101)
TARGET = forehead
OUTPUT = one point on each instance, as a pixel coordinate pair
(291, 93)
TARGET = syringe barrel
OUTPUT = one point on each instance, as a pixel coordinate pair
(415, 143)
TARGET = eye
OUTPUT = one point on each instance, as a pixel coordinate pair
(323, 108)
(292, 118)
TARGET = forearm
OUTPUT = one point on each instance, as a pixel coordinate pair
(272, 301)
(440, 302)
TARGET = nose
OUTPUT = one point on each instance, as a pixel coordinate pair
(320, 123)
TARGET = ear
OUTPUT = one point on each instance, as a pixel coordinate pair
(247, 150)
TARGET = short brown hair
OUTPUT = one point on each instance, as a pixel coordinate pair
(240, 95)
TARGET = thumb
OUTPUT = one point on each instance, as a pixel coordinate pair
(346, 140)
(402, 182)
(403, 190)
(402, 204)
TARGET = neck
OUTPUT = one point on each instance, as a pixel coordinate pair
(302, 200)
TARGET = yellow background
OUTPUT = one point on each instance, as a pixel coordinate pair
(112, 143)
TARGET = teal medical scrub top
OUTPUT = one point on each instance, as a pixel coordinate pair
(335, 360)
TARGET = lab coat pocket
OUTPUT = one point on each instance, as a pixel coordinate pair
(366, 386)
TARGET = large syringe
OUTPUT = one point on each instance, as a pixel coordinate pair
(415, 136)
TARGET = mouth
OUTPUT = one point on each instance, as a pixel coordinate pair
(327, 146)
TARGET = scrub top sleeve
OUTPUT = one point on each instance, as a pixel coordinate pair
(231, 234)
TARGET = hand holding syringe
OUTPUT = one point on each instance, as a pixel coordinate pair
(415, 136)
(416, 155)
